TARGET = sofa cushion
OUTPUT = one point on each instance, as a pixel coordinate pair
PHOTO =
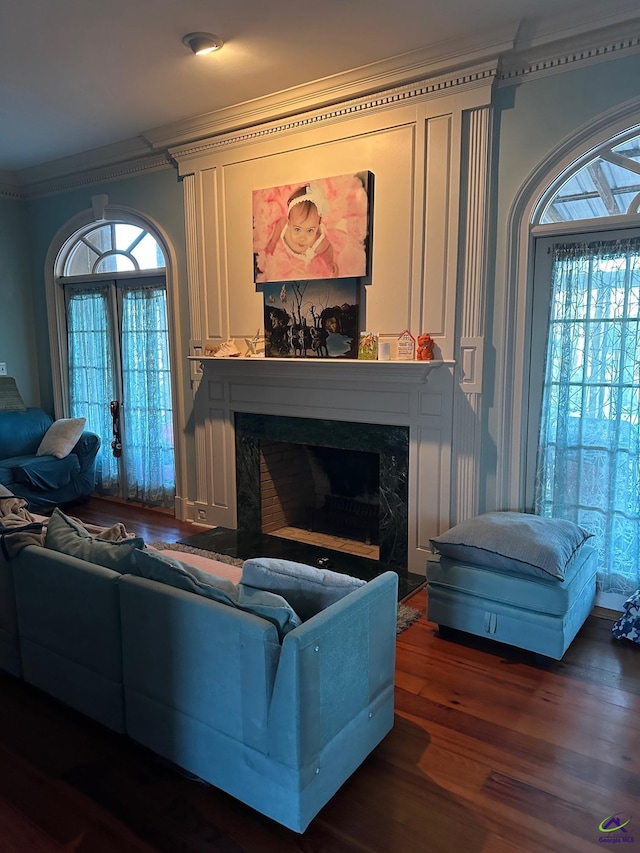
(108, 549)
(45, 472)
(307, 589)
(10, 398)
(515, 541)
(156, 566)
(61, 437)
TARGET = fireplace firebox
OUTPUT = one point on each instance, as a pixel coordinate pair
(341, 477)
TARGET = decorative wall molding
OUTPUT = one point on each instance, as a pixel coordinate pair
(468, 403)
(461, 79)
(523, 65)
(11, 192)
(153, 162)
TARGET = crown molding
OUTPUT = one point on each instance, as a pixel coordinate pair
(9, 187)
(152, 162)
(585, 48)
(340, 88)
(467, 78)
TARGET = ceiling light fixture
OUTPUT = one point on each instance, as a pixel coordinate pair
(202, 43)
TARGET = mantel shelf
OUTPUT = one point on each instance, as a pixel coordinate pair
(338, 369)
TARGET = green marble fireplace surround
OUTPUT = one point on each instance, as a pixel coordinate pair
(390, 443)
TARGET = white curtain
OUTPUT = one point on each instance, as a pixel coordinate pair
(91, 373)
(588, 468)
(146, 414)
(146, 380)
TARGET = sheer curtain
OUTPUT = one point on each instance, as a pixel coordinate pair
(146, 414)
(91, 372)
(588, 467)
(146, 379)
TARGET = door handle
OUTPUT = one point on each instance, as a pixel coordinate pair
(116, 444)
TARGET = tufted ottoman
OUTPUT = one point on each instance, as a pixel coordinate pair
(516, 578)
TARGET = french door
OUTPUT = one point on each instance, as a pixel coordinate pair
(584, 438)
(120, 380)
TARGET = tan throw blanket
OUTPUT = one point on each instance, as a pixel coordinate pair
(19, 528)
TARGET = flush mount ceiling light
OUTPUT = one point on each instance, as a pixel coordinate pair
(202, 43)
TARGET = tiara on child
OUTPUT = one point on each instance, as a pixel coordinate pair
(312, 193)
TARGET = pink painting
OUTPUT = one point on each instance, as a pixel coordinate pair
(312, 229)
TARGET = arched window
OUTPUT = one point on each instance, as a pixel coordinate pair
(607, 184)
(118, 373)
(584, 436)
(116, 247)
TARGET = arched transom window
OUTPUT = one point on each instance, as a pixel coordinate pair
(115, 247)
(608, 184)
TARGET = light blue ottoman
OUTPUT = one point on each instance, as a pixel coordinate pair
(541, 614)
(518, 578)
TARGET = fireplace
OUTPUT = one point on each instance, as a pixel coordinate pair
(343, 479)
(399, 411)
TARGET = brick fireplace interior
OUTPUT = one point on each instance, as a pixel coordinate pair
(325, 496)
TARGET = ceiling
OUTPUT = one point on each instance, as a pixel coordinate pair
(78, 75)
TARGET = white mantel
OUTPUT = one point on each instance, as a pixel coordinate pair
(418, 395)
(354, 370)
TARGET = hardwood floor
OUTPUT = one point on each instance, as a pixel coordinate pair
(489, 752)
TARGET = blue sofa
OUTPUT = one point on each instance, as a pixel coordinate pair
(279, 724)
(43, 481)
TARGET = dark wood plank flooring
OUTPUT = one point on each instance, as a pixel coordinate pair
(489, 752)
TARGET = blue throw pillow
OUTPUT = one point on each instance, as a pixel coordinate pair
(514, 541)
(307, 589)
(157, 566)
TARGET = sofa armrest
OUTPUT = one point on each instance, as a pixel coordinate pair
(86, 449)
(333, 668)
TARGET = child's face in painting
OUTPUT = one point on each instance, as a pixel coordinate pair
(303, 230)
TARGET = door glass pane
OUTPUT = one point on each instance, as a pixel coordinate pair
(147, 416)
(91, 372)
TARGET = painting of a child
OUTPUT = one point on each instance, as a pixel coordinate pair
(318, 229)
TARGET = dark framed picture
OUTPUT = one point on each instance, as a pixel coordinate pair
(311, 318)
(315, 229)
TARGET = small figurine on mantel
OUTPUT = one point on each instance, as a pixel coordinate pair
(406, 346)
(425, 348)
(255, 346)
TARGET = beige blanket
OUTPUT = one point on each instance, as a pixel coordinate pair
(14, 516)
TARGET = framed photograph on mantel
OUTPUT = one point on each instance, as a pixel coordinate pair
(316, 229)
(311, 319)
